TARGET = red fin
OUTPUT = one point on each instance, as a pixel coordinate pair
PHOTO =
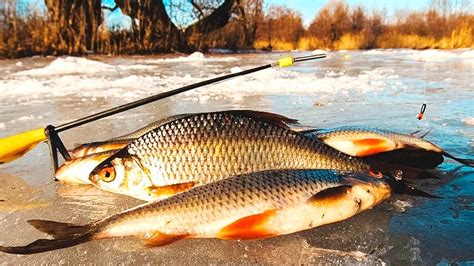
(157, 239)
(250, 227)
(372, 146)
(329, 195)
(170, 190)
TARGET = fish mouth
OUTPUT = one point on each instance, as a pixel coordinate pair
(77, 171)
(375, 189)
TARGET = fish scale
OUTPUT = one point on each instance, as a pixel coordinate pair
(241, 195)
(224, 144)
(249, 206)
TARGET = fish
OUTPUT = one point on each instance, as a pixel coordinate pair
(201, 148)
(122, 141)
(362, 141)
(250, 206)
(76, 171)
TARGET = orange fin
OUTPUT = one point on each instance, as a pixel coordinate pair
(170, 190)
(329, 195)
(250, 227)
(372, 146)
(158, 239)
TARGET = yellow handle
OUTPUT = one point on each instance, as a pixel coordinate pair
(16, 146)
(286, 61)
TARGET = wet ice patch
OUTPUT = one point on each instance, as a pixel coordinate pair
(401, 205)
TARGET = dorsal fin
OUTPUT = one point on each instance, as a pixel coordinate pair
(307, 131)
(267, 117)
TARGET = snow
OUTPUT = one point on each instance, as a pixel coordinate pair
(194, 57)
(88, 78)
(429, 55)
(68, 65)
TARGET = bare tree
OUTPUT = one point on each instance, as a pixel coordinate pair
(156, 31)
(77, 22)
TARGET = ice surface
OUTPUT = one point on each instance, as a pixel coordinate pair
(383, 88)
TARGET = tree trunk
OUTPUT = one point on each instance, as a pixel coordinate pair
(157, 32)
(77, 23)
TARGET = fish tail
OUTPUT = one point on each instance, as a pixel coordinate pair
(467, 162)
(406, 188)
(65, 235)
(59, 230)
(399, 172)
(400, 176)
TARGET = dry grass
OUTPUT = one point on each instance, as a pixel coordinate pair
(311, 43)
(275, 45)
(351, 41)
(461, 37)
(41, 35)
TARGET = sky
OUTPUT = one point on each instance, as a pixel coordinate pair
(308, 8)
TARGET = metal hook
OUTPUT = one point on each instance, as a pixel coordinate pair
(422, 112)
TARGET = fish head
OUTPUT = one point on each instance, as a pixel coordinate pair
(76, 171)
(369, 190)
(122, 174)
(96, 147)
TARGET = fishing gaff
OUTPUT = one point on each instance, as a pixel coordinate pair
(16, 146)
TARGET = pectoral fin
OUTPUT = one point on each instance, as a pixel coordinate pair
(158, 239)
(250, 227)
(330, 195)
(170, 190)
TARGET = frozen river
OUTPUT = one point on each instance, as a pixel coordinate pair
(383, 88)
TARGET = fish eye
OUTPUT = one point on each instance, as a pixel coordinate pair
(107, 174)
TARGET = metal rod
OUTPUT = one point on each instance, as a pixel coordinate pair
(163, 95)
(153, 98)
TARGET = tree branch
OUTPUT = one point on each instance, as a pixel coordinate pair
(215, 20)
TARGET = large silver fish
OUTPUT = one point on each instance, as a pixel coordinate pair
(250, 206)
(196, 149)
(122, 141)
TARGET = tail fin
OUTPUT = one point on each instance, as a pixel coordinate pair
(421, 159)
(66, 235)
(467, 162)
(59, 230)
(43, 245)
(399, 172)
(404, 187)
